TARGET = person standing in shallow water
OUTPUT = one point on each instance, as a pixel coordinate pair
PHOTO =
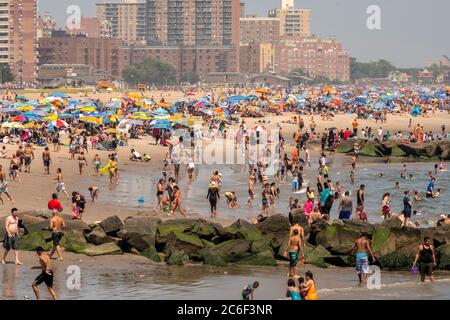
(427, 259)
(213, 195)
(363, 249)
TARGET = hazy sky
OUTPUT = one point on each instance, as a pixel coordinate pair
(413, 32)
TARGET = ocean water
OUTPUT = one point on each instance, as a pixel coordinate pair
(140, 182)
(123, 279)
(145, 281)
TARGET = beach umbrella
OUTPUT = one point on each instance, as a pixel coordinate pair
(29, 125)
(164, 105)
(25, 108)
(13, 125)
(263, 91)
(88, 109)
(446, 89)
(112, 130)
(20, 118)
(31, 116)
(22, 98)
(7, 110)
(134, 121)
(259, 128)
(190, 94)
(59, 123)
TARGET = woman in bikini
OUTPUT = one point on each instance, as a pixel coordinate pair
(81, 162)
(177, 202)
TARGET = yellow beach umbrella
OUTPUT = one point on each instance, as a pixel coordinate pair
(112, 130)
(25, 108)
(12, 125)
(30, 125)
(88, 109)
(51, 117)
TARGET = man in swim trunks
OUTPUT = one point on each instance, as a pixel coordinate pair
(362, 247)
(46, 159)
(28, 156)
(46, 275)
(11, 238)
(294, 250)
(56, 226)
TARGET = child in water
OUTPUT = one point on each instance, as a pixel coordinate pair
(231, 200)
(247, 293)
(94, 193)
(301, 287)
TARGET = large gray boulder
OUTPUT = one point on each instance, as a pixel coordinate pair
(140, 232)
(102, 250)
(112, 225)
(97, 236)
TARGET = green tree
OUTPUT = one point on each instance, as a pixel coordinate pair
(150, 72)
(190, 77)
(5, 73)
(373, 69)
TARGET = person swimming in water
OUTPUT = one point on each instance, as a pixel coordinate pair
(404, 172)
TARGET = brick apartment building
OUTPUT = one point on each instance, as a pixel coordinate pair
(315, 56)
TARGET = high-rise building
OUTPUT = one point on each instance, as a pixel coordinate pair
(242, 10)
(257, 58)
(316, 57)
(294, 22)
(193, 22)
(18, 32)
(259, 30)
(4, 31)
(46, 25)
(64, 48)
(126, 20)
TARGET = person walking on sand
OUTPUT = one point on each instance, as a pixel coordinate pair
(363, 249)
(427, 258)
(96, 164)
(11, 238)
(57, 226)
(47, 160)
(60, 186)
(4, 186)
(46, 275)
(28, 156)
(81, 162)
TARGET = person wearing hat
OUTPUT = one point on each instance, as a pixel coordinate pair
(212, 196)
(443, 220)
